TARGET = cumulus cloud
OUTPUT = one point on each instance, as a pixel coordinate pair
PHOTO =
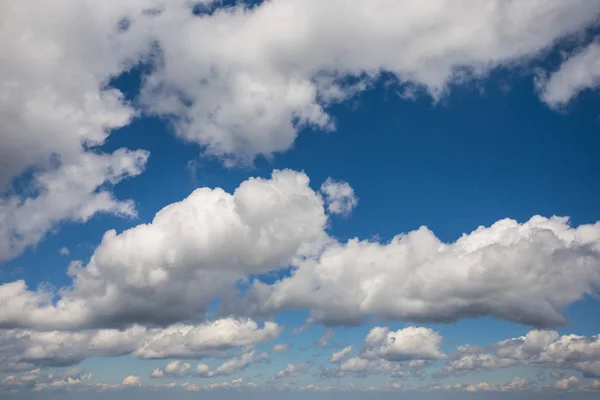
(132, 381)
(56, 110)
(578, 72)
(173, 369)
(281, 347)
(195, 251)
(171, 269)
(74, 192)
(567, 383)
(510, 270)
(400, 354)
(339, 197)
(245, 92)
(536, 348)
(63, 251)
(340, 355)
(34, 380)
(412, 343)
(241, 94)
(24, 349)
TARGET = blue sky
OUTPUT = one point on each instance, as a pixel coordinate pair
(222, 202)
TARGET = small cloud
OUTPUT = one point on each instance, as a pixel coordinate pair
(63, 251)
(323, 340)
(339, 197)
(281, 347)
(132, 381)
(567, 383)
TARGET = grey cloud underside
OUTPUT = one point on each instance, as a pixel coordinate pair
(265, 73)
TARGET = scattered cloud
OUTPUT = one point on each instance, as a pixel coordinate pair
(281, 347)
(294, 370)
(578, 72)
(339, 197)
(509, 270)
(24, 349)
(536, 348)
(567, 383)
(340, 355)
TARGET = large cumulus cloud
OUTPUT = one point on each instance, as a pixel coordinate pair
(191, 253)
(523, 272)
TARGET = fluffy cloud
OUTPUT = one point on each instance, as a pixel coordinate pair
(246, 92)
(266, 72)
(195, 251)
(340, 355)
(171, 269)
(536, 348)
(339, 197)
(510, 270)
(578, 72)
(35, 381)
(567, 383)
(412, 343)
(23, 349)
(56, 109)
(199, 341)
(132, 381)
(74, 192)
(177, 369)
(173, 369)
(399, 354)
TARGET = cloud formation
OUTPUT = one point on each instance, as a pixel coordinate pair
(26, 349)
(510, 270)
(535, 348)
(578, 72)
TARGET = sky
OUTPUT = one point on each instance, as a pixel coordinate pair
(299, 198)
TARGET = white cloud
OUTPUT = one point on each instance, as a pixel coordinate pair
(281, 347)
(265, 73)
(35, 381)
(56, 109)
(63, 251)
(578, 72)
(536, 348)
(339, 197)
(174, 368)
(199, 341)
(340, 355)
(567, 383)
(74, 192)
(479, 387)
(171, 269)
(412, 343)
(274, 69)
(510, 270)
(25, 349)
(236, 364)
(132, 381)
